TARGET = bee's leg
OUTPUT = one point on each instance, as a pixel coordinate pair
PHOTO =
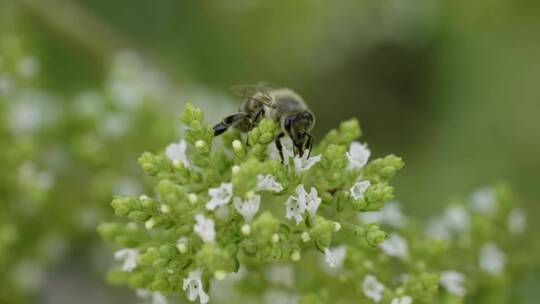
(279, 146)
(309, 144)
(252, 123)
(254, 120)
(228, 122)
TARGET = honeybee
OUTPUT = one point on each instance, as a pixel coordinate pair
(282, 105)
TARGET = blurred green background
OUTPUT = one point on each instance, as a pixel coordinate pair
(451, 86)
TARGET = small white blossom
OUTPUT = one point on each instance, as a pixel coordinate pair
(395, 246)
(280, 275)
(517, 221)
(127, 186)
(28, 67)
(182, 245)
(492, 259)
(275, 296)
(268, 183)
(249, 207)
(295, 208)
(437, 229)
(454, 282)
(335, 256)
(358, 189)
(484, 200)
(205, 228)
(6, 83)
(402, 300)
(456, 219)
(273, 152)
(372, 288)
(358, 155)
(304, 163)
(390, 214)
(311, 199)
(176, 152)
(220, 196)
(157, 297)
(129, 256)
(193, 287)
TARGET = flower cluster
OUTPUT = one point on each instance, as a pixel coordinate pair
(220, 209)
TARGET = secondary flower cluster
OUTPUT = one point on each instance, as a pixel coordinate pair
(57, 150)
(235, 207)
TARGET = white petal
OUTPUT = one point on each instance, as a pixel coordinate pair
(303, 163)
(517, 221)
(219, 196)
(248, 208)
(372, 288)
(268, 183)
(294, 209)
(129, 256)
(395, 246)
(492, 259)
(335, 256)
(484, 200)
(205, 228)
(313, 201)
(457, 218)
(358, 155)
(402, 300)
(359, 188)
(177, 152)
(453, 281)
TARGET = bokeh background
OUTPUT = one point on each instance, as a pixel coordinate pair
(451, 86)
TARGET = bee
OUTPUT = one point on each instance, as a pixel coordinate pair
(283, 105)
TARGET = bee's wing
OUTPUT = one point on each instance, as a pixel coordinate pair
(248, 90)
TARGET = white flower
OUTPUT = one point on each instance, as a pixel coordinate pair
(193, 287)
(249, 207)
(205, 228)
(294, 209)
(390, 214)
(372, 288)
(395, 246)
(157, 297)
(273, 152)
(456, 218)
(304, 163)
(28, 67)
(358, 189)
(402, 300)
(492, 259)
(437, 229)
(280, 275)
(220, 196)
(129, 256)
(113, 125)
(517, 220)
(453, 281)
(335, 256)
(297, 205)
(268, 183)
(484, 200)
(127, 186)
(358, 155)
(274, 296)
(311, 199)
(177, 152)
(182, 245)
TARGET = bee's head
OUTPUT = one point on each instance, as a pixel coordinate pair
(297, 127)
